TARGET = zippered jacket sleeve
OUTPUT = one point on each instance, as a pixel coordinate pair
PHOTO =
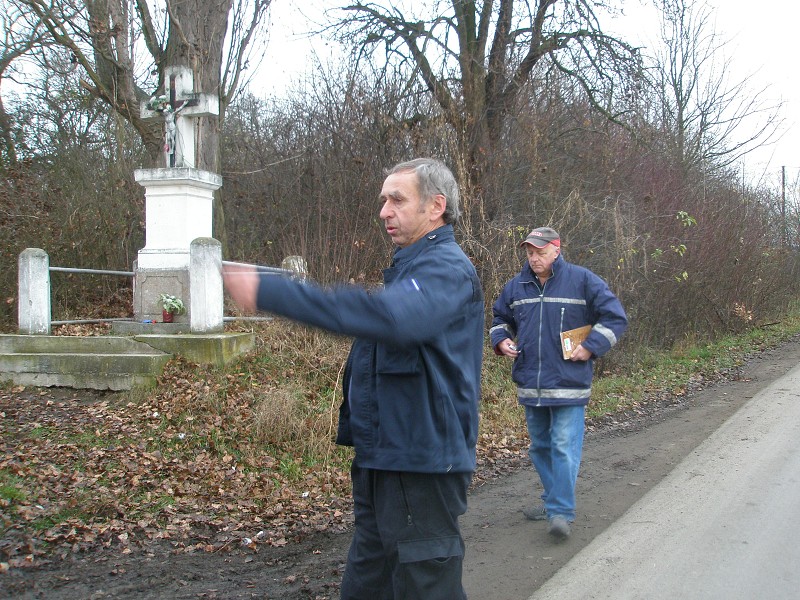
(411, 310)
(503, 324)
(607, 317)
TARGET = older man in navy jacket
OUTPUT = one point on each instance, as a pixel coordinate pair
(548, 297)
(411, 388)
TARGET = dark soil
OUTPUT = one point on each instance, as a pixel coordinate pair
(507, 558)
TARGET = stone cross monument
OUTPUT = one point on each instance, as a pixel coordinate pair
(178, 206)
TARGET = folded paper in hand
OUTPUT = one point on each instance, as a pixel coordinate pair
(570, 339)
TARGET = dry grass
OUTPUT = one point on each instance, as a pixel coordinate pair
(287, 418)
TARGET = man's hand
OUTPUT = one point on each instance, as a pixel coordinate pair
(508, 348)
(580, 353)
(241, 283)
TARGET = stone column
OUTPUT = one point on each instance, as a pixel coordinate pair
(205, 282)
(33, 305)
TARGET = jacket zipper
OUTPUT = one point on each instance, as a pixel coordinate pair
(541, 323)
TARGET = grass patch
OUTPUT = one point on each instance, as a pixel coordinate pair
(671, 370)
(40, 432)
(63, 515)
(86, 439)
(11, 487)
(149, 504)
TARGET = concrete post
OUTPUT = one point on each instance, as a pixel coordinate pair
(296, 264)
(205, 285)
(33, 306)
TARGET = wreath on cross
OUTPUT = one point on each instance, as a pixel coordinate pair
(159, 104)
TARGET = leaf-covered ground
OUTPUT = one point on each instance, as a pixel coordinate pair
(85, 473)
(184, 463)
(243, 457)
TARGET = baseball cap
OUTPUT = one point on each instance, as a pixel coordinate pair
(541, 236)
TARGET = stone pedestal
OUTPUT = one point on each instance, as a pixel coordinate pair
(179, 209)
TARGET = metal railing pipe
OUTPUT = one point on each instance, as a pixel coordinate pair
(94, 271)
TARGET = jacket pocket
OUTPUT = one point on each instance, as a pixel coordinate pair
(397, 361)
(573, 374)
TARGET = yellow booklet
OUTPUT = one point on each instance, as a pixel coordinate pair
(570, 339)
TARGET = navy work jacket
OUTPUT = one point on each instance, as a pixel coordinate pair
(535, 315)
(412, 379)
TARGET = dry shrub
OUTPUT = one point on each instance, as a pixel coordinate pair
(286, 418)
(276, 416)
(296, 406)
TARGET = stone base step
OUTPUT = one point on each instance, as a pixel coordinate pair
(78, 380)
(109, 362)
(101, 363)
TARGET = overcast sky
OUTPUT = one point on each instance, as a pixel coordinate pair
(762, 44)
(762, 40)
(766, 38)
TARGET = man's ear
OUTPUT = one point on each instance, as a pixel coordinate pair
(438, 206)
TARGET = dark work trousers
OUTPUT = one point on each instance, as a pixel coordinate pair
(406, 544)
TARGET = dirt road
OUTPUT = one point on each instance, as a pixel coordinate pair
(508, 557)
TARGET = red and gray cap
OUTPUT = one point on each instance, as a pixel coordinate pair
(541, 236)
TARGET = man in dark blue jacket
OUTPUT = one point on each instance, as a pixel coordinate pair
(551, 296)
(411, 388)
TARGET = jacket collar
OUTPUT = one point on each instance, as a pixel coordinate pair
(437, 236)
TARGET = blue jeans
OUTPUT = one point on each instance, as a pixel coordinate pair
(556, 444)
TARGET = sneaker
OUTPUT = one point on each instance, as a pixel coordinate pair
(559, 528)
(535, 513)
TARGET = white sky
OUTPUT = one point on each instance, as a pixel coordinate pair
(762, 41)
(762, 45)
(765, 42)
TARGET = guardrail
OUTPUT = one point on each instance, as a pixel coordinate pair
(260, 268)
(34, 305)
(97, 271)
(91, 272)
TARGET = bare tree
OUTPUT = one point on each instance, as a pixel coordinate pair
(121, 46)
(476, 57)
(703, 110)
(21, 34)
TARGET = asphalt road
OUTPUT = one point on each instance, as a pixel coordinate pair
(724, 524)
